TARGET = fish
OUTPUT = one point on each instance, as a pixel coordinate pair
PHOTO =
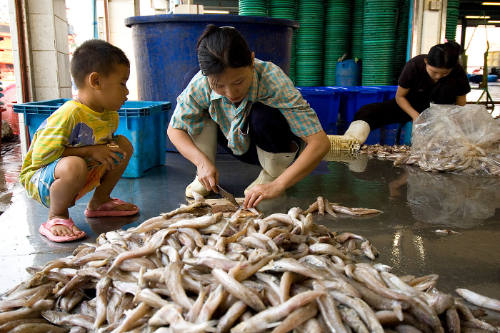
(263, 319)
(238, 290)
(446, 232)
(192, 270)
(328, 310)
(297, 318)
(478, 299)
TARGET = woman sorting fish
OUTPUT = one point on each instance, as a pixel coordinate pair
(436, 77)
(252, 109)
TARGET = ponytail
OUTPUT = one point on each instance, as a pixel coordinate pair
(444, 55)
(222, 47)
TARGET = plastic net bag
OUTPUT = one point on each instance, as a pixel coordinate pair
(457, 139)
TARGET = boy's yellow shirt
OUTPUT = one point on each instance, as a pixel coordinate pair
(72, 125)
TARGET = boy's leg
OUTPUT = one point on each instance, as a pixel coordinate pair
(102, 193)
(70, 176)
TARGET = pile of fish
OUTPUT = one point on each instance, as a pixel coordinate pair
(393, 153)
(196, 270)
(472, 160)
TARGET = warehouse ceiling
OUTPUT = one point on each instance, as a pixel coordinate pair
(475, 8)
(467, 8)
(229, 5)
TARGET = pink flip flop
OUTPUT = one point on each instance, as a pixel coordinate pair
(109, 209)
(45, 230)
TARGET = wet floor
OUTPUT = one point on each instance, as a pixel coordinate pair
(415, 204)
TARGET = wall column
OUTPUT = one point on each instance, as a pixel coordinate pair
(429, 25)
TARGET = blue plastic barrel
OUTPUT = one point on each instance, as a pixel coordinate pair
(347, 73)
(165, 48)
(325, 101)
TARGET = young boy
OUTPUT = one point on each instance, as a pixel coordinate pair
(74, 150)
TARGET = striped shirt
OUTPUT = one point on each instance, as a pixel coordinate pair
(72, 125)
(270, 86)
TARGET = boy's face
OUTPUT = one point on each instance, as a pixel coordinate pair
(113, 87)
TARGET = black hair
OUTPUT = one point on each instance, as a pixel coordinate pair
(444, 55)
(222, 47)
(95, 55)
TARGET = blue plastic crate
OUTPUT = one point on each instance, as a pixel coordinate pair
(326, 102)
(374, 137)
(388, 92)
(389, 134)
(405, 136)
(353, 99)
(144, 123)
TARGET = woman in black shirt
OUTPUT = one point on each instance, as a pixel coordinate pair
(436, 77)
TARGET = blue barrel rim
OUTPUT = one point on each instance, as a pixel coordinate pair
(209, 18)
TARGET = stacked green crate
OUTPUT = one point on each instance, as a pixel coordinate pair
(286, 9)
(337, 36)
(253, 7)
(452, 19)
(357, 29)
(379, 37)
(309, 49)
(401, 37)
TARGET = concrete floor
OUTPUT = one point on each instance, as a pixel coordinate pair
(415, 204)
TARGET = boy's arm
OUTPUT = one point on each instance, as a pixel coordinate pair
(105, 154)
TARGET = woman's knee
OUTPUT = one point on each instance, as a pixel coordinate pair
(71, 168)
(265, 119)
(365, 112)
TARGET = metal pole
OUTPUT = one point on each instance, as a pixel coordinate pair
(464, 30)
(410, 29)
(94, 13)
(106, 19)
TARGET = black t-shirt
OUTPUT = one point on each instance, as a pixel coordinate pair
(423, 90)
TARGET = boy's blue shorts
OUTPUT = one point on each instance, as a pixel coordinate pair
(43, 178)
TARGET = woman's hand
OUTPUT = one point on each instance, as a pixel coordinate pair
(208, 175)
(260, 192)
(107, 154)
(403, 103)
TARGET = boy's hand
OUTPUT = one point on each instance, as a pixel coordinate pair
(107, 154)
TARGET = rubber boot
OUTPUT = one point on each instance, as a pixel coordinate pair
(206, 141)
(352, 139)
(273, 165)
